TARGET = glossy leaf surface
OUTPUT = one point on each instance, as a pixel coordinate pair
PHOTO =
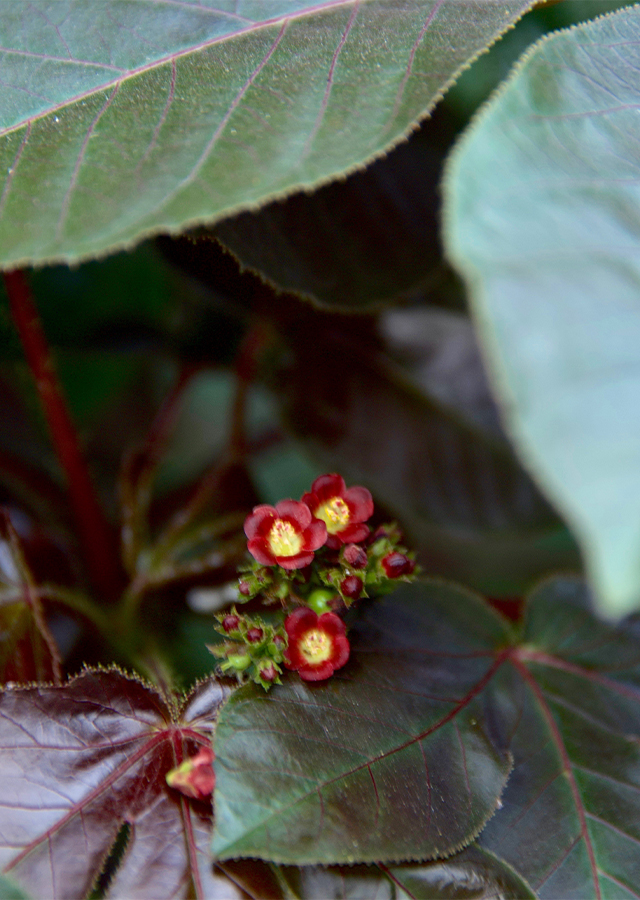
(120, 120)
(81, 761)
(564, 700)
(570, 819)
(390, 759)
(542, 210)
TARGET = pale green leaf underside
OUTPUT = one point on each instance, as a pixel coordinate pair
(543, 219)
(122, 119)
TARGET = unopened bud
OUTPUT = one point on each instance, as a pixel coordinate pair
(195, 777)
(230, 623)
(351, 587)
(397, 564)
(355, 556)
(269, 673)
(255, 635)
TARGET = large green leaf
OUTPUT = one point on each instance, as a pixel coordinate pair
(570, 816)
(392, 759)
(543, 220)
(127, 118)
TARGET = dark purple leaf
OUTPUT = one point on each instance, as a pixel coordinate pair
(454, 483)
(570, 821)
(368, 240)
(83, 760)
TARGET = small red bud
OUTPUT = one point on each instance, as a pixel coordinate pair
(244, 588)
(279, 641)
(351, 586)
(230, 623)
(269, 673)
(396, 564)
(255, 635)
(355, 556)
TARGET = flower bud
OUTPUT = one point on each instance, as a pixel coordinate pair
(355, 556)
(351, 587)
(269, 673)
(231, 623)
(255, 635)
(397, 564)
(244, 588)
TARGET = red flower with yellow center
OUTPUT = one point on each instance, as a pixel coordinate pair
(318, 645)
(344, 511)
(285, 535)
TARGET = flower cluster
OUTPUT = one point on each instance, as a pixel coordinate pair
(314, 558)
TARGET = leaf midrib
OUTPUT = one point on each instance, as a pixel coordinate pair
(127, 74)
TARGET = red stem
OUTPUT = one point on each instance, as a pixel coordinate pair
(95, 535)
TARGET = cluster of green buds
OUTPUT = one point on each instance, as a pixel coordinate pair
(254, 649)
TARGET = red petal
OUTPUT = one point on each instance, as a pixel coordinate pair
(299, 561)
(298, 513)
(331, 624)
(299, 621)
(258, 515)
(260, 551)
(327, 486)
(315, 535)
(353, 534)
(316, 673)
(341, 651)
(360, 503)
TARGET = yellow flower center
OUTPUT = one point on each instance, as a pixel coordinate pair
(334, 513)
(315, 646)
(283, 539)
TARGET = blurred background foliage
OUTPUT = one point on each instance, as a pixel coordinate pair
(376, 373)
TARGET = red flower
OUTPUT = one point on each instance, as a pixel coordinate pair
(195, 777)
(343, 511)
(318, 645)
(285, 535)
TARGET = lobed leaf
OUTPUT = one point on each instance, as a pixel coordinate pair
(119, 120)
(570, 817)
(83, 760)
(542, 211)
(564, 700)
(390, 759)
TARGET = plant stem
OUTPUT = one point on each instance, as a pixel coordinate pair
(95, 536)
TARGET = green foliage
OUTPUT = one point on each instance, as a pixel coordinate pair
(107, 138)
(546, 240)
(447, 751)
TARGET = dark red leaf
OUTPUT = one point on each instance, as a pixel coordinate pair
(82, 760)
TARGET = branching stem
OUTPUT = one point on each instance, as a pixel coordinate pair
(97, 540)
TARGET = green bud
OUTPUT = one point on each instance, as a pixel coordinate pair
(320, 600)
(237, 661)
